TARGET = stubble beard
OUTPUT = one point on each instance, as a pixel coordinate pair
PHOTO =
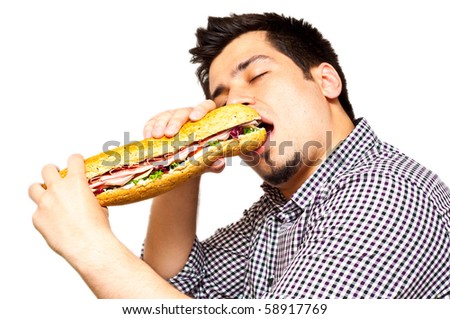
(281, 173)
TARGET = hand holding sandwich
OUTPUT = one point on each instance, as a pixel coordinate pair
(68, 209)
(169, 122)
(75, 226)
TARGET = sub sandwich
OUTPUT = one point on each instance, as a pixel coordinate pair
(145, 169)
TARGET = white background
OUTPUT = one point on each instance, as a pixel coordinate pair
(75, 74)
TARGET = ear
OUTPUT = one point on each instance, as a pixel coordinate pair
(328, 79)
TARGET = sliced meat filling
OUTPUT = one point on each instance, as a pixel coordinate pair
(129, 175)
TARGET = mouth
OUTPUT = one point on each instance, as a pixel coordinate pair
(269, 127)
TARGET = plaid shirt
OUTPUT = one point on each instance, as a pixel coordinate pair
(369, 223)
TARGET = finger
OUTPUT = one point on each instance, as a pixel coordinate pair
(35, 192)
(177, 120)
(202, 109)
(50, 173)
(148, 128)
(75, 166)
(160, 124)
(217, 166)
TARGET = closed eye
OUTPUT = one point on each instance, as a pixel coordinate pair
(258, 76)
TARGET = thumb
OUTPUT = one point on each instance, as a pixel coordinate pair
(217, 166)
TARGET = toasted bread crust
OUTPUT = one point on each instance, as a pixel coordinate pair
(215, 121)
(120, 196)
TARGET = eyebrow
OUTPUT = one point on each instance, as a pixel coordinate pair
(240, 67)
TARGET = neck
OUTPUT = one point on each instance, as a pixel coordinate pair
(338, 132)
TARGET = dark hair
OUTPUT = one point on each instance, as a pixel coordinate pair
(297, 39)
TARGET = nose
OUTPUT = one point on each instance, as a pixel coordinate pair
(241, 98)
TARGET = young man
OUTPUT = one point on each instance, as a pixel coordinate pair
(344, 215)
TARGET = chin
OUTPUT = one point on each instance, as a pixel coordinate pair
(273, 172)
(280, 175)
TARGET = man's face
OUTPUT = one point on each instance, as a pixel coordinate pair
(251, 71)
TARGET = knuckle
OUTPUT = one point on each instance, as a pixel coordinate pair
(35, 219)
(209, 104)
(150, 122)
(44, 201)
(45, 168)
(182, 112)
(206, 106)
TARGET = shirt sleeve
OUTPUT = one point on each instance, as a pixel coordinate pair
(216, 266)
(190, 277)
(373, 236)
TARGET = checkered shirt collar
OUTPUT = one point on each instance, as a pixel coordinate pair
(342, 158)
